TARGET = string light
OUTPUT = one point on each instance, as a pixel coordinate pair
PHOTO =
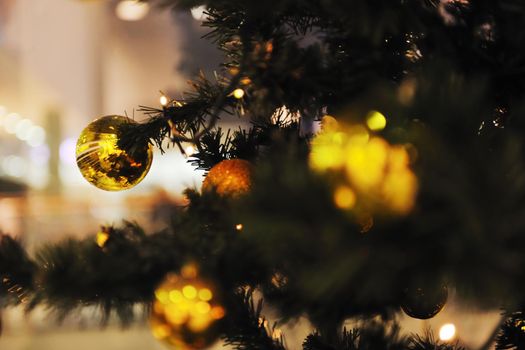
(102, 238)
(199, 13)
(238, 93)
(239, 227)
(447, 332)
(164, 101)
(131, 10)
(190, 150)
(376, 121)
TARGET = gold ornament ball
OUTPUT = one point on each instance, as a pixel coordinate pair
(186, 312)
(103, 163)
(424, 303)
(230, 177)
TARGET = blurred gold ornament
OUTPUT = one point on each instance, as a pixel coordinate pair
(103, 163)
(231, 177)
(374, 173)
(186, 311)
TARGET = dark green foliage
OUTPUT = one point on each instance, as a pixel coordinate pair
(16, 272)
(371, 336)
(78, 273)
(376, 336)
(450, 78)
(429, 343)
(245, 326)
(512, 333)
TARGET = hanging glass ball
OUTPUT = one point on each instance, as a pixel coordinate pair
(103, 163)
(424, 303)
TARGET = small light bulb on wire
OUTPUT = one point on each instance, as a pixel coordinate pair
(238, 93)
(132, 10)
(447, 332)
(199, 13)
(376, 121)
(164, 101)
(190, 150)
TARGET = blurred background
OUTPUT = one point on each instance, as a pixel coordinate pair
(64, 63)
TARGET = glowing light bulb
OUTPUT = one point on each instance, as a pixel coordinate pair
(198, 13)
(22, 129)
(190, 150)
(102, 238)
(164, 100)
(131, 10)
(67, 151)
(238, 93)
(10, 122)
(36, 136)
(239, 227)
(447, 332)
(376, 121)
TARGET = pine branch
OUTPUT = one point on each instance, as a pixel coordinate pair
(115, 277)
(246, 328)
(512, 333)
(428, 342)
(16, 272)
(370, 336)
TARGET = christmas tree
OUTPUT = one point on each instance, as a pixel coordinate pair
(383, 167)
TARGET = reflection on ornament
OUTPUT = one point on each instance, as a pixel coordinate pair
(231, 177)
(186, 311)
(103, 163)
(424, 304)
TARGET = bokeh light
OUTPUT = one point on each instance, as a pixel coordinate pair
(447, 332)
(131, 10)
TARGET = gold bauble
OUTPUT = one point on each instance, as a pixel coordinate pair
(103, 163)
(230, 177)
(186, 312)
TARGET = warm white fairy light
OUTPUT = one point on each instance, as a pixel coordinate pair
(238, 93)
(164, 100)
(199, 13)
(190, 150)
(132, 10)
(447, 332)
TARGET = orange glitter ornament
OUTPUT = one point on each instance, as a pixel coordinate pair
(230, 177)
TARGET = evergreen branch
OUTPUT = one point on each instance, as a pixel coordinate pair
(16, 272)
(428, 342)
(370, 336)
(125, 271)
(512, 333)
(246, 328)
